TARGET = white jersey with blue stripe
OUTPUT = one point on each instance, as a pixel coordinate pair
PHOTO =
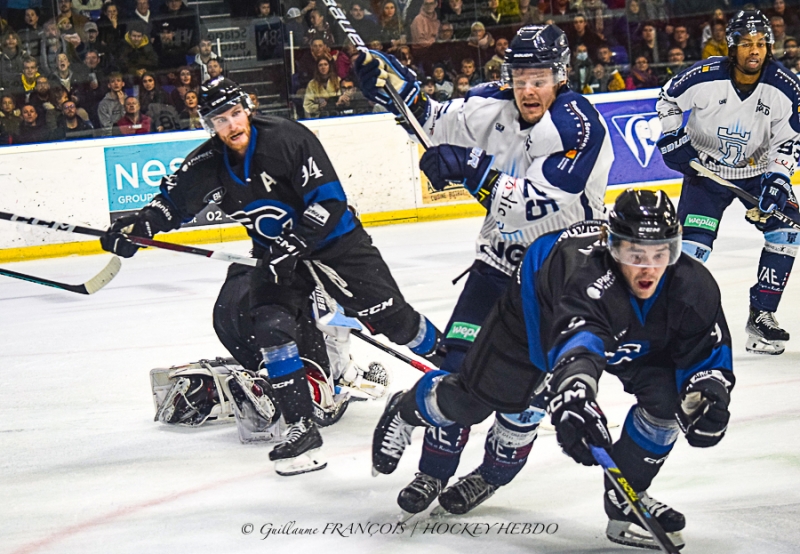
(737, 135)
(554, 173)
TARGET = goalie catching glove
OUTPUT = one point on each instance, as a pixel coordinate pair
(703, 411)
(156, 217)
(578, 421)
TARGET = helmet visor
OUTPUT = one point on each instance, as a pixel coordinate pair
(644, 253)
(221, 117)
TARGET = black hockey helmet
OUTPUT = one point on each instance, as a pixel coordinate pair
(748, 23)
(537, 46)
(641, 218)
(219, 95)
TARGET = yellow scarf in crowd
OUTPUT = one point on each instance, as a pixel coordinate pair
(29, 86)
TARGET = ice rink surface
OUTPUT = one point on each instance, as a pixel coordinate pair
(84, 469)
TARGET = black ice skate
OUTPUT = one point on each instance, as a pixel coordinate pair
(462, 497)
(419, 494)
(299, 453)
(391, 437)
(624, 527)
(764, 334)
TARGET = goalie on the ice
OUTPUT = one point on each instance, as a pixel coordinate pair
(621, 299)
(273, 176)
(220, 389)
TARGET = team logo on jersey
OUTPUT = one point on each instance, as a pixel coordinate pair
(215, 195)
(499, 127)
(596, 290)
(628, 352)
(732, 143)
(762, 108)
(640, 132)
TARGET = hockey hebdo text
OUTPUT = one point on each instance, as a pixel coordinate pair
(421, 528)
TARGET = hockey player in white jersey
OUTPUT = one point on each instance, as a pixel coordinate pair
(744, 125)
(537, 156)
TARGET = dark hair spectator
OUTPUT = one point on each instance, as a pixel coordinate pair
(53, 45)
(581, 74)
(32, 128)
(791, 54)
(70, 22)
(9, 113)
(469, 69)
(365, 25)
(443, 84)
(321, 89)
(788, 13)
(627, 28)
(136, 56)
(351, 101)
(425, 26)
(171, 55)
(459, 15)
(779, 30)
(641, 76)
(187, 80)
(461, 86)
(681, 39)
(110, 27)
(189, 118)
(11, 58)
(393, 33)
(496, 61)
(676, 62)
(717, 45)
(318, 28)
(70, 125)
(651, 44)
(580, 32)
(111, 107)
(32, 32)
(150, 92)
(188, 27)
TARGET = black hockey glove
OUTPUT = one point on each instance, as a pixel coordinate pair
(703, 411)
(776, 190)
(578, 420)
(677, 150)
(448, 163)
(154, 218)
(282, 256)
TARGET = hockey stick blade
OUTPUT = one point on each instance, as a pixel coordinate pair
(642, 513)
(139, 241)
(392, 352)
(89, 287)
(743, 194)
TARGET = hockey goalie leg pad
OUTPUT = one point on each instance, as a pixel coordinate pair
(257, 418)
(328, 405)
(190, 395)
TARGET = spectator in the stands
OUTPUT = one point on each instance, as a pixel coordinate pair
(112, 107)
(627, 28)
(69, 126)
(111, 28)
(468, 69)
(491, 16)
(90, 95)
(461, 86)
(9, 114)
(133, 122)
(500, 46)
(263, 9)
(779, 30)
(393, 33)
(171, 55)
(92, 41)
(318, 29)
(137, 54)
(321, 90)
(406, 57)
(293, 24)
(42, 96)
(69, 20)
(344, 60)
(559, 11)
(186, 81)
(11, 58)
(32, 33)
(607, 78)
(205, 53)
(707, 31)
(425, 26)
(529, 15)
(32, 129)
(69, 76)
(53, 45)
(366, 26)
(460, 16)
(150, 92)
(789, 15)
(676, 63)
(189, 118)
(351, 101)
(142, 13)
(480, 41)
(444, 87)
(652, 45)
(656, 12)
(23, 87)
(598, 18)
(188, 26)
(681, 39)
(446, 32)
(581, 74)
(215, 68)
(641, 76)
(790, 52)
(717, 45)
(579, 32)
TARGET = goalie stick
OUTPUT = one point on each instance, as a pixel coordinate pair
(743, 194)
(138, 241)
(89, 287)
(626, 491)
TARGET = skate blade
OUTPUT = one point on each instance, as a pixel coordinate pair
(439, 511)
(304, 463)
(758, 345)
(630, 534)
(405, 516)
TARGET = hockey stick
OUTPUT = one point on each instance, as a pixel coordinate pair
(622, 486)
(358, 42)
(138, 241)
(743, 194)
(89, 287)
(392, 352)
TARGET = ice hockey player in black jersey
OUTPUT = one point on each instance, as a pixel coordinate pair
(618, 297)
(273, 176)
